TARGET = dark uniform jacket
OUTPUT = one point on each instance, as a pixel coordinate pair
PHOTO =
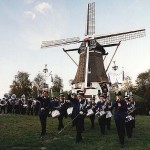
(76, 107)
(92, 106)
(44, 105)
(120, 112)
(61, 106)
(100, 105)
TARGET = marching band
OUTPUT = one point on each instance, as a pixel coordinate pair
(77, 107)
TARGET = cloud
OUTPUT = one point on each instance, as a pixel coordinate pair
(39, 8)
(29, 1)
(30, 14)
(42, 7)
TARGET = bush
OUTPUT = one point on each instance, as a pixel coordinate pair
(142, 108)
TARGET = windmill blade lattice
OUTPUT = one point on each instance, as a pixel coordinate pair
(90, 27)
(117, 37)
(61, 42)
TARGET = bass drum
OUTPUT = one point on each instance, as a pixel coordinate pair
(69, 111)
(90, 112)
(108, 114)
(55, 113)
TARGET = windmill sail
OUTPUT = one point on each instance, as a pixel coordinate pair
(60, 42)
(90, 26)
(117, 37)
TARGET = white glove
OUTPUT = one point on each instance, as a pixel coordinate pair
(81, 112)
(42, 108)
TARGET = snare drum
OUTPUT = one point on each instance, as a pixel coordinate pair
(90, 112)
(69, 111)
(101, 113)
(108, 114)
(25, 106)
(97, 114)
(55, 114)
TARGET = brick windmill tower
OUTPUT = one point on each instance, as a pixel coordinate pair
(91, 75)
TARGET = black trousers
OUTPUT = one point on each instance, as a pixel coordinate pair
(3, 109)
(120, 124)
(20, 109)
(102, 123)
(60, 122)
(73, 120)
(30, 110)
(129, 128)
(92, 118)
(79, 121)
(43, 119)
(108, 123)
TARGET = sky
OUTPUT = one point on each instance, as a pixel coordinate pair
(24, 24)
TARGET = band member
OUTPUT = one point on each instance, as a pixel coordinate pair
(79, 113)
(108, 113)
(92, 105)
(9, 106)
(61, 106)
(129, 118)
(3, 105)
(13, 102)
(43, 111)
(37, 106)
(75, 104)
(134, 107)
(30, 106)
(101, 105)
(120, 116)
(20, 104)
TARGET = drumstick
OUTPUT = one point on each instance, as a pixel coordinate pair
(68, 124)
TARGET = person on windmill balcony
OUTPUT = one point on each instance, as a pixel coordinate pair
(120, 113)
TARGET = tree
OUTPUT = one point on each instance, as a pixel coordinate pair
(127, 85)
(38, 84)
(21, 85)
(57, 84)
(39, 81)
(143, 82)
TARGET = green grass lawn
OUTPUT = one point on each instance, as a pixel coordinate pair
(23, 132)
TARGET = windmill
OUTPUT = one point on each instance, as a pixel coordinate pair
(91, 74)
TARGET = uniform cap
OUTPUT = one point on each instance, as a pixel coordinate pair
(118, 93)
(61, 94)
(81, 93)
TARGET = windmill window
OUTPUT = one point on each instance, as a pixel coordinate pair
(89, 70)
